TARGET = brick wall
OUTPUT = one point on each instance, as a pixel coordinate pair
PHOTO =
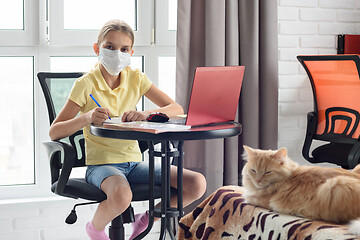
(306, 27)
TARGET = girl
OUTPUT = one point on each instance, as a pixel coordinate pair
(113, 163)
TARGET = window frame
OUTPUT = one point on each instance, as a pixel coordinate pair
(60, 36)
(164, 36)
(38, 187)
(29, 36)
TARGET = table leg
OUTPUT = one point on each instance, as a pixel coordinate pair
(164, 187)
(151, 191)
(180, 167)
(168, 198)
(166, 212)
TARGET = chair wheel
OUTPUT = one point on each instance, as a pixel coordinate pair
(71, 219)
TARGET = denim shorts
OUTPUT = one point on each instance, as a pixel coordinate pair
(133, 172)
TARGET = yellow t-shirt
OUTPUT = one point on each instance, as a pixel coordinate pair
(133, 85)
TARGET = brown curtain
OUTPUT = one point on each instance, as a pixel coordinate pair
(226, 33)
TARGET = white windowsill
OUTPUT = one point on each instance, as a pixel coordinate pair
(37, 200)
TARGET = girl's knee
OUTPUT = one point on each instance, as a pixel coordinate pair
(120, 198)
(196, 186)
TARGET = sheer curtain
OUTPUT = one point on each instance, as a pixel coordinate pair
(226, 33)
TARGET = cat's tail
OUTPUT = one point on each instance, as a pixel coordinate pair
(354, 226)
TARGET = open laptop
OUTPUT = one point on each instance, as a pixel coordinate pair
(215, 95)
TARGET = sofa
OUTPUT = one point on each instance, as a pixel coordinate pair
(226, 215)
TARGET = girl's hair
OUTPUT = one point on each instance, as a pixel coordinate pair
(115, 25)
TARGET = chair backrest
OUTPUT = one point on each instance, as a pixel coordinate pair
(348, 44)
(56, 88)
(336, 86)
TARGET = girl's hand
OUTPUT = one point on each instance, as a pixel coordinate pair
(131, 116)
(98, 115)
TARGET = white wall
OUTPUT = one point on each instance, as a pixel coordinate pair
(305, 27)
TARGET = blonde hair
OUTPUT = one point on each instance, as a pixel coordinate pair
(115, 25)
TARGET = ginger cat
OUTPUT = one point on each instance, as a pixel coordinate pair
(273, 181)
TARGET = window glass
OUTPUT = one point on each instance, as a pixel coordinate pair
(173, 15)
(92, 14)
(17, 134)
(167, 68)
(12, 15)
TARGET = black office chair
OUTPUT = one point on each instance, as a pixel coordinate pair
(336, 116)
(69, 153)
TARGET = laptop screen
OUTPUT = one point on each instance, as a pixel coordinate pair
(215, 95)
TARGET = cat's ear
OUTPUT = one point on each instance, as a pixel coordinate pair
(281, 155)
(248, 150)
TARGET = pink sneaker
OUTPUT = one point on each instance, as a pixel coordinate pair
(95, 234)
(140, 224)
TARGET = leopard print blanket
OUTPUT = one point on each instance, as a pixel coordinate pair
(225, 215)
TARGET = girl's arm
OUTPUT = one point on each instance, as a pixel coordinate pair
(66, 123)
(165, 103)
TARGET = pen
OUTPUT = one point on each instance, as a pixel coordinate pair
(97, 103)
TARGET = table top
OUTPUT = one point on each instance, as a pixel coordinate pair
(195, 133)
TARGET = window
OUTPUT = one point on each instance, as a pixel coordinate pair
(77, 22)
(172, 15)
(16, 142)
(166, 23)
(12, 16)
(167, 67)
(18, 24)
(57, 35)
(85, 20)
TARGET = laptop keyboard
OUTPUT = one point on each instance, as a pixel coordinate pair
(180, 121)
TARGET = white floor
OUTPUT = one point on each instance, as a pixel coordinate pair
(44, 219)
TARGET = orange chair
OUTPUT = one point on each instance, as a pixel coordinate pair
(335, 119)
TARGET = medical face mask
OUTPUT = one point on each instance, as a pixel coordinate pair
(114, 61)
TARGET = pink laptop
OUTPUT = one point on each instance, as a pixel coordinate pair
(215, 95)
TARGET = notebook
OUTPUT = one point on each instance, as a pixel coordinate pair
(214, 95)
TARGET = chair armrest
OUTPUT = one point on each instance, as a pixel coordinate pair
(68, 152)
(354, 156)
(310, 133)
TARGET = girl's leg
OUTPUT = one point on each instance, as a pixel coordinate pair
(140, 175)
(194, 183)
(119, 196)
(194, 186)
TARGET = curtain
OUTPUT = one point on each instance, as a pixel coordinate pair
(228, 33)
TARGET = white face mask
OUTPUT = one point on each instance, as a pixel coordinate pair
(114, 61)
